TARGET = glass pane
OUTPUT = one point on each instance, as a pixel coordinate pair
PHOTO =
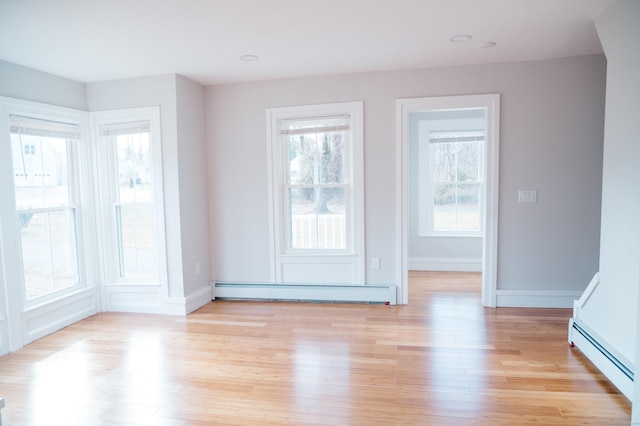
(302, 154)
(134, 167)
(317, 157)
(40, 171)
(317, 218)
(331, 148)
(444, 218)
(136, 240)
(468, 207)
(48, 252)
(468, 161)
(444, 162)
(444, 207)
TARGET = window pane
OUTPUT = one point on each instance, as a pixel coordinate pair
(302, 154)
(468, 207)
(331, 148)
(317, 157)
(444, 206)
(444, 218)
(40, 171)
(136, 240)
(318, 218)
(468, 161)
(456, 207)
(134, 167)
(49, 252)
(444, 162)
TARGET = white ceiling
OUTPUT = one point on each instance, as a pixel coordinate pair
(98, 40)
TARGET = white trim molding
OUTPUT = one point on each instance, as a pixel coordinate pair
(289, 265)
(536, 298)
(444, 264)
(149, 299)
(59, 313)
(491, 104)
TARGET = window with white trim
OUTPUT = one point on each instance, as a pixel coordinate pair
(44, 157)
(316, 186)
(451, 178)
(316, 182)
(131, 188)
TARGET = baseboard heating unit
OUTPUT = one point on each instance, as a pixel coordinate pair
(385, 294)
(612, 364)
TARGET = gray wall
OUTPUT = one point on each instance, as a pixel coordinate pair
(612, 310)
(28, 84)
(551, 140)
(193, 184)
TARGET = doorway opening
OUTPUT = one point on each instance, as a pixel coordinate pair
(447, 158)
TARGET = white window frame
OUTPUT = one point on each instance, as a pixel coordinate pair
(425, 175)
(79, 200)
(106, 167)
(22, 322)
(282, 256)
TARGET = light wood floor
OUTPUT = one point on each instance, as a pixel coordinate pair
(441, 360)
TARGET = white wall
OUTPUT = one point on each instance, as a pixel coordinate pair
(28, 84)
(612, 310)
(551, 141)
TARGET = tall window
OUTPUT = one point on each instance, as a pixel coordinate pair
(316, 181)
(316, 187)
(132, 200)
(451, 179)
(457, 183)
(44, 159)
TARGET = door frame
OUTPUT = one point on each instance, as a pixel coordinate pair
(491, 104)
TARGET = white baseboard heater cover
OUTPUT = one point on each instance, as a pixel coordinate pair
(610, 364)
(306, 292)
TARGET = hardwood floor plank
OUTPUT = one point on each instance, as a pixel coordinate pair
(441, 360)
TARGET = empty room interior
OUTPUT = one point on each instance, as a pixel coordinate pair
(415, 212)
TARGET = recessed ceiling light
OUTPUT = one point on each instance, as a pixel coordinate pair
(487, 45)
(249, 58)
(461, 38)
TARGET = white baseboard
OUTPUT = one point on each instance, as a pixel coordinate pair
(444, 264)
(306, 292)
(186, 305)
(57, 314)
(198, 299)
(536, 298)
(148, 300)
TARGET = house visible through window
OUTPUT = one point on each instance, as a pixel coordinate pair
(132, 192)
(46, 203)
(131, 195)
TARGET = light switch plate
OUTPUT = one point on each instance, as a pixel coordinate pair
(527, 196)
